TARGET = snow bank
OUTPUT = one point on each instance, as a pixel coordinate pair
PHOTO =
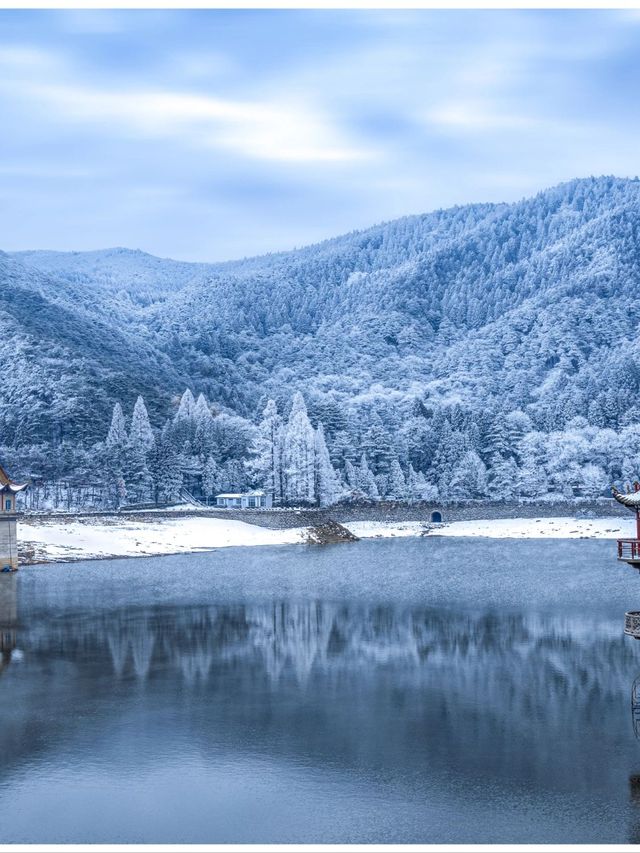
(384, 529)
(90, 538)
(82, 539)
(542, 528)
(504, 528)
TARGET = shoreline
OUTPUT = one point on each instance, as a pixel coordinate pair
(78, 538)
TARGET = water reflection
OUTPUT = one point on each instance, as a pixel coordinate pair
(8, 618)
(635, 707)
(391, 720)
(562, 656)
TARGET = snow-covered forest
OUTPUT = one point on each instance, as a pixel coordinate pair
(484, 352)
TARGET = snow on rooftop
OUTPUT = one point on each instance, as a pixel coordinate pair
(255, 494)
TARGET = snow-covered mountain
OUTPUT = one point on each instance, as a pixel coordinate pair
(530, 307)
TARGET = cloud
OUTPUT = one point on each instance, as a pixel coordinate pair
(288, 131)
(474, 116)
(254, 130)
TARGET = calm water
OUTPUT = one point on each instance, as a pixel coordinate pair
(393, 691)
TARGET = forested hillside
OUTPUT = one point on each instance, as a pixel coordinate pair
(488, 350)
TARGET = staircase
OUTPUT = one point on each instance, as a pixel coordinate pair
(187, 497)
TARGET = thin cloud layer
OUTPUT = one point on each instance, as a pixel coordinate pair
(216, 134)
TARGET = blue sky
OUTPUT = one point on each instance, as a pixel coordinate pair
(210, 135)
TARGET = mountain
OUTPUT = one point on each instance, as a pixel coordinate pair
(531, 307)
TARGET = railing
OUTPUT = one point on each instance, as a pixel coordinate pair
(629, 549)
(632, 624)
(189, 498)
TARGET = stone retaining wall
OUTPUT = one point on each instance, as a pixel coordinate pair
(471, 511)
(279, 519)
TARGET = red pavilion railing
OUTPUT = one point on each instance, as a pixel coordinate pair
(629, 549)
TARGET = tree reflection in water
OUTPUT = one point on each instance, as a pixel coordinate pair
(465, 705)
(8, 618)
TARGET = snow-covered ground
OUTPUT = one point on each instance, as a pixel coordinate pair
(505, 528)
(44, 539)
(385, 529)
(90, 538)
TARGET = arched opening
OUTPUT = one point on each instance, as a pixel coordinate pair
(436, 517)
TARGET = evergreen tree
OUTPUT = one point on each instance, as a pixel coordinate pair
(204, 434)
(497, 438)
(397, 488)
(187, 407)
(267, 465)
(117, 437)
(210, 477)
(592, 481)
(366, 481)
(141, 435)
(377, 446)
(327, 484)
(469, 478)
(503, 478)
(121, 492)
(114, 459)
(351, 475)
(418, 488)
(184, 423)
(165, 468)
(382, 484)
(342, 449)
(299, 455)
(137, 473)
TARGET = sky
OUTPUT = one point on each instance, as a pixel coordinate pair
(211, 135)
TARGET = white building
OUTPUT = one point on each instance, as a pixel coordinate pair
(245, 500)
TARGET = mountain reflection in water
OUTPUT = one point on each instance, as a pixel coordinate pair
(382, 721)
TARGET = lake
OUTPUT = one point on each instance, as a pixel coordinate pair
(393, 691)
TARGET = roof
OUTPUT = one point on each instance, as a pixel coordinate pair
(7, 484)
(13, 487)
(631, 500)
(257, 493)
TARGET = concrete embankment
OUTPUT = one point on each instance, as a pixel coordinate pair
(286, 519)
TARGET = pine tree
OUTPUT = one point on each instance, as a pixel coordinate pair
(141, 435)
(121, 491)
(366, 481)
(184, 422)
(418, 488)
(351, 475)
(451, 447)
(421, 441)
(114, 457)
(165, 468)
(137, 474)
(299, 454)
(117, 436)
(397, 484)
(377, 446)
(503, 478)
(342, 449)
(187, 408)
(266, 467)
(327, 484)
(203, 441)
(497, 438)
(593, 480)
(210, 477)
(382, 484)
(469, 478)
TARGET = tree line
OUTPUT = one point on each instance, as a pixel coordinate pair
(322, 454)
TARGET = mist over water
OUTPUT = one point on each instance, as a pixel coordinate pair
(396, 691)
